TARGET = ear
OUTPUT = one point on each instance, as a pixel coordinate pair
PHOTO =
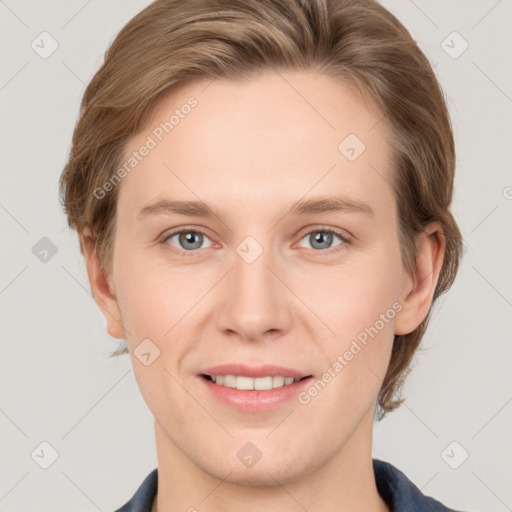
(101, 285)
(418, 289)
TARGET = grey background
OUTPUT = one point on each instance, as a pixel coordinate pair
(59, 386)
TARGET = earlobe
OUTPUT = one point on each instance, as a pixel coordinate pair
(101, 285)
(418, 290)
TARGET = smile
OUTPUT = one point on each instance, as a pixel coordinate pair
(242, 382)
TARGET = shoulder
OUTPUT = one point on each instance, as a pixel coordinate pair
(400, 493)
(142, 500)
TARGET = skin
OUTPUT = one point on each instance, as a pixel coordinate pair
(249, 150)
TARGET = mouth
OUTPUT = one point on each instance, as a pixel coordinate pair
(253, 389)
(246, 383)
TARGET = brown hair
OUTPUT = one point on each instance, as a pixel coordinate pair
(173, 42)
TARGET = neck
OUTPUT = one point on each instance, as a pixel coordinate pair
(344, 483)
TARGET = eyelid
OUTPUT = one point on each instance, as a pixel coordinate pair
(341, 233)
(182, 229)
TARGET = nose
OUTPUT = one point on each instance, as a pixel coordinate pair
(254, 302)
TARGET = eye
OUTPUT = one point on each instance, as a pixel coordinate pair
(186, 239)
(190, 240)
(322, 239)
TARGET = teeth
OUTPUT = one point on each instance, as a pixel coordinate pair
(250, 383)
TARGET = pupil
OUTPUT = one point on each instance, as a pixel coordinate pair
(324, 237)
(189, 238)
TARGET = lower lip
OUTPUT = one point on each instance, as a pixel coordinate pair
(255, 400)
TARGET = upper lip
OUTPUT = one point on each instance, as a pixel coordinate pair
(254, 371)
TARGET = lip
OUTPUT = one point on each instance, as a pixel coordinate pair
(254, 371)
(254, 400)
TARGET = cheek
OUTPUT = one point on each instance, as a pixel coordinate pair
(353, 297)
(359, 305)
(154, 299)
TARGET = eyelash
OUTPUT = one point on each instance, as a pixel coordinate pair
(345, 238)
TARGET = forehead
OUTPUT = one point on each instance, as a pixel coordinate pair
(279, 136)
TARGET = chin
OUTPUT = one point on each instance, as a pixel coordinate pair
(278, 469)
(261, 477)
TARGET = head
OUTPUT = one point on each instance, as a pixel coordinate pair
(288, 101)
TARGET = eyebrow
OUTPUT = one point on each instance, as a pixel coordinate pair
(301, 207)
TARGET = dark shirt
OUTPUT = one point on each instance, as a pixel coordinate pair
(399, 493)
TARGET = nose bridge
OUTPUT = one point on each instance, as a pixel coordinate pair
(254, 301)
(252, 280)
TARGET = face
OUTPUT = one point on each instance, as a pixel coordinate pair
(263, 273)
